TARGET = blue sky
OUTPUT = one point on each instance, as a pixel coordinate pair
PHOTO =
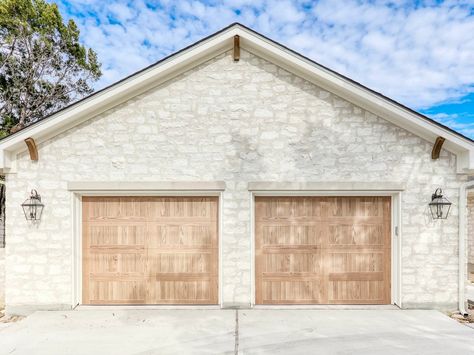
(420, 53)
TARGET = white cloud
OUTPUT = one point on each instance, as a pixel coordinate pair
(284, 12)
(420, 55)
(121, 12)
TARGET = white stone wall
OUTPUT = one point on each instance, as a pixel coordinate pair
(470, 227)
(237, 122)
(2, 277)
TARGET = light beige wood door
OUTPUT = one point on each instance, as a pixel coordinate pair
(322, 250)
(150, 250)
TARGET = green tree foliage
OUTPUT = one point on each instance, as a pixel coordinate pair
(43, 67)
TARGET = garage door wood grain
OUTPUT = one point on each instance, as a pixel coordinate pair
(150, 250)
(322, 250)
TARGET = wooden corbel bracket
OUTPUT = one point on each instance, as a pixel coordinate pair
(437, 148)
(236, 48)
(30, 143)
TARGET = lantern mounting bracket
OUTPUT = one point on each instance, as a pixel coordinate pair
(438, 193)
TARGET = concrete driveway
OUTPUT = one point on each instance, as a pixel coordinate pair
(243, 332)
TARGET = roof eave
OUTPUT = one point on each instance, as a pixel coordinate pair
(116, 94)
(264, 47)
(363, 97)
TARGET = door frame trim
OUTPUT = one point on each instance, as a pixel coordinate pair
(396, 235)
(76, 208)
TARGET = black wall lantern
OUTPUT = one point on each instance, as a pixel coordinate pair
(439, 205)
(32, 207)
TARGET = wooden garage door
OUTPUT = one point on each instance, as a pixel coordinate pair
(150, 250)
(322, 250)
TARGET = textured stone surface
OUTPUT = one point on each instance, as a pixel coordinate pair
(470, 227)
(232, 122)
(2, 277)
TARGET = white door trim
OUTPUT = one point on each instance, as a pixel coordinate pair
(145, 186)
(77, 236)
(396, 261)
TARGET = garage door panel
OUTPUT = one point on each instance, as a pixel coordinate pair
(152, 244)
(116, 236)
(356, 234)
(187, 207)
(289, 208)
(291, 292)
(116, 262)
(291, 263)
(355, 206)
(117, 292)
(175, 235)
(340, 244)
(354, 261)
(356, 292)
(180, 262)
(129, 208)
(276, 234)
(180, 292)
(114, 208)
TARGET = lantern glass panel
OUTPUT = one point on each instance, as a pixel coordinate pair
(32, 207)
(440, 207)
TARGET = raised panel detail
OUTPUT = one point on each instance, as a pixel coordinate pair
(322, 250)
(150, 250)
